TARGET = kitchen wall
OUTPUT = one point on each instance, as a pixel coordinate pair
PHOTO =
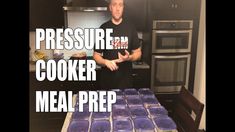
(75, 20)
(83, 20)
(200, 79)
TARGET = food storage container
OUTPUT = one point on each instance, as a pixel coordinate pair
(130, 92)
(134, 100)
(143, 124)
(78, 126)
(149, 101)
(138, 111)
(165, 124)
(146, 92)
(81, 115)
(120, 111)
(119, 93)
(156, 111)
(122, 125)
(120, 101)
(100, 115)
(100, 126)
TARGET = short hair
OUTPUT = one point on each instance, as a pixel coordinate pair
(109, 1)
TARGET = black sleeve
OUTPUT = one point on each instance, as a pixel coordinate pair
(135, 40)
(99, 50)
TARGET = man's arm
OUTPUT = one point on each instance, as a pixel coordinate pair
(104, 62)
(136, 54)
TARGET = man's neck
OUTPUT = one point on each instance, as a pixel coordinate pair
(116, 22)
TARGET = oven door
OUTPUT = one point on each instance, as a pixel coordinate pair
(169, 73)
(171, 41)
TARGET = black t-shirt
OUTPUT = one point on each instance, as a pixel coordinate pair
(125, 38)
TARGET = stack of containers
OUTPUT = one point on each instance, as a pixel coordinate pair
(121, 115)
(139, 114)
(81, 118)
(157, 113)
(101, 121)
(134, 111)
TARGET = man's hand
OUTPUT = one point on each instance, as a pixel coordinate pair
(122, 58)
(111, 64)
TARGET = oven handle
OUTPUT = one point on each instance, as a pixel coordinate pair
(172, 21)
(173, 56)
(168, 31)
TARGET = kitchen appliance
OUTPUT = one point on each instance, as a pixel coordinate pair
(171, 55)
(172, 36)
(169, 72)
(87, 5)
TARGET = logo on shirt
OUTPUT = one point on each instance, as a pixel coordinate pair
(120, 42)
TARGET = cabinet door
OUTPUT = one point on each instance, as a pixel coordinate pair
(141, 78)
(188, 8)
(173, 9)
(46, 14)
(159, 9)
(136, 12)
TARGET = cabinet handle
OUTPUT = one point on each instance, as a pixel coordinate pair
(176, 5)
(169, 101)
(134, 74)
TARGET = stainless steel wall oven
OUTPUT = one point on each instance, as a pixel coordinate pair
(171, 54)
(169, 72)
(172, 36)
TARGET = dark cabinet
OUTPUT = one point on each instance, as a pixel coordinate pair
(46, 14)
(50, 14)
(178, 10)
(141, 78)
(136, 12)
(174, 9)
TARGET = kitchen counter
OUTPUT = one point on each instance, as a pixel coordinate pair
(143, 65)
(146, 117)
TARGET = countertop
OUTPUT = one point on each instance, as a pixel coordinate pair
(143, 65)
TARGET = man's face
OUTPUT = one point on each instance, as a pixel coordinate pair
(116, 7)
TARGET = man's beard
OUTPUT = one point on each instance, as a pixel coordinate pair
(117, 19)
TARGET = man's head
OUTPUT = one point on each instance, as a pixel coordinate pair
(116, 8)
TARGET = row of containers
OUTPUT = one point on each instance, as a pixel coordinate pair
(134, 111)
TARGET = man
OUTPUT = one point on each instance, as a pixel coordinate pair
(117, 63)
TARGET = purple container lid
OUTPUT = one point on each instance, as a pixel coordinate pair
(130, 92)
(81, 115)
(138, 111)
(134, 100)
(155, 111)
(77, 101)
(120, 101)
(149, 100)
(98, 115)
(164, 123)
(78, 126)
(119, 93)
(120, 111)
(122, 125)
(146, 92)
(143, 123)
(100, 126)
